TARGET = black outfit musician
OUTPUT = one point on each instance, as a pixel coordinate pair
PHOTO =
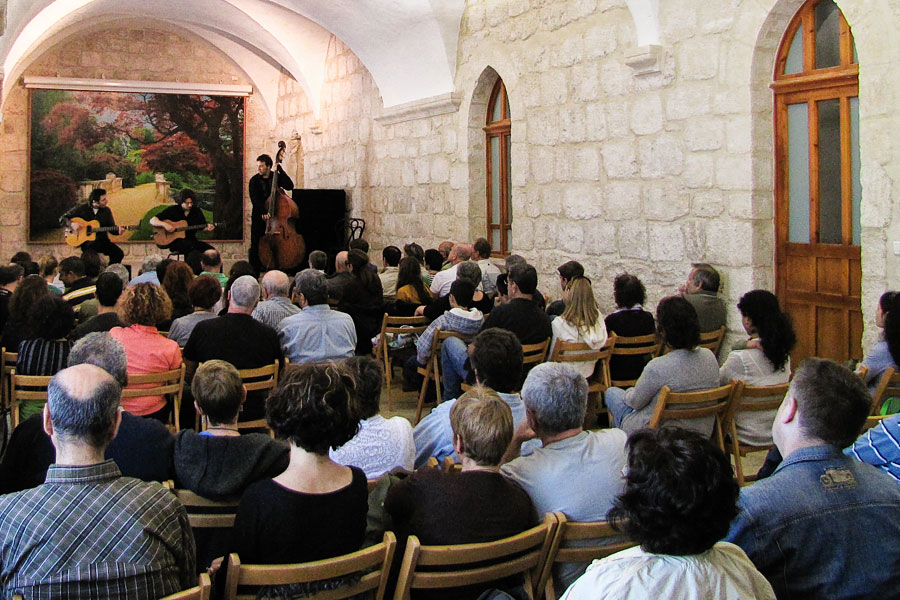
(185, 210)
(96, 209)
(260, 190)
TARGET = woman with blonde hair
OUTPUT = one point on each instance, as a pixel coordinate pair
(581, 322)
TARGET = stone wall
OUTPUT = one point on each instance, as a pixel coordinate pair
(126, 52)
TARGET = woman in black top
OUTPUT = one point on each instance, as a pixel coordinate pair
(630, 320)
(21, 305)
(363, 300)
(317, 508)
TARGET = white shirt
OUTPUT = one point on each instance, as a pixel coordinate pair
(751, 366)
(442, 280)
(723, 572)
(379, 446)
(594, 337)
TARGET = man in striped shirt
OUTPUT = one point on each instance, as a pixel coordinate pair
(88, 531)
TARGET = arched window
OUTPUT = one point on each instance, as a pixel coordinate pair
(496, 130)
(817, 205)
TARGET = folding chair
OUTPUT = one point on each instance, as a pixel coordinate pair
(164, 383)
(675, 406)
(431, 371)
(26, 387)
(599, 381)
(204, 513)
(713, 339)
(888, 386)
(255, 379)
(534, 354)
(202, 591)
(395, 326)
(640, 345)
(762, 398)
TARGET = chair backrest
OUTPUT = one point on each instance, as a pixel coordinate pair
(26, 387)
(202, 591)
(639, 345)
(567, 352)
(753, 398)
(872, 421)
(374, 562)
(464, 564)
(256, 379)
(204, 513)
(695, 405)
(604, 541)
(164, 383)
(713, 339)
(398, 325)
(533, 354)
(888, 386)
(8, 362)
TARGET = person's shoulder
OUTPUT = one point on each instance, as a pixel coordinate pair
(613, 437)
(399, 423)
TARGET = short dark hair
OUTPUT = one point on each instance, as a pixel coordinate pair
(95, 195)
(218, 391)
(318, 260)
(434, 259)
(161, 268)
(20, 257)
(88, 418)
(833, 402)
(265, 158)
(211, 258)
(680, 495)
(391, 255)
(368, 375)
(469, 271)
(92, 263)
(497, 360)
(628, 290)
(524, 276)
(205, 291)
(52, 318)
(502, 285)
(187, 194)
(359, 244)
(678, 323)
(71, 264)
(482, 247)
(311, 283)
(313, 407)
(10, 273)
(570, 270)
(29, 267)
(109, 288)
(194, 259)
(462, 291)
(705, 276)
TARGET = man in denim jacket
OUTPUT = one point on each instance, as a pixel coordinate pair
(823, 525)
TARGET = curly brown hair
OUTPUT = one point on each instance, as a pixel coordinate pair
(145, 304)
(176, 283)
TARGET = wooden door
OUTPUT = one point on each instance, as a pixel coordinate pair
(817, 190)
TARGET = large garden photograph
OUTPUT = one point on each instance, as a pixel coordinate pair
(143, 149)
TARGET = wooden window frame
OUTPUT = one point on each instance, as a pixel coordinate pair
(498, 131)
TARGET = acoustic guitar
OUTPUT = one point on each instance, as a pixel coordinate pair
(163, 238)
(88, 230)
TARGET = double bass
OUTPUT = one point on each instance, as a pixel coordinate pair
(281, 247)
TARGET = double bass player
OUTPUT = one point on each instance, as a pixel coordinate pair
(260, 189)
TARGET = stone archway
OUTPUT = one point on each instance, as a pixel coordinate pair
(475, 146)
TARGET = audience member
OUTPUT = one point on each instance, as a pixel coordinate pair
(147, 272)
(178, 279)
(679, 499)
(203, 294)
(359, 244)
(109, 289)
(881, 356)
(317, 508)
(21, 305)
(440, 284)
(390, 260)
(211, 262)
(93, 264)
(318, 260)
(569, 272)
(275, 305)
(50, 273)
(414, 250)
(702, 290)
(687, 367)
(497, 363)
(581, 322)
(822, 525)
(238, 269)
(194, 260)
(10, 276)
(411, 289)
(88, 531)
(161, 267)
(629, 320)
(468, 271)
(445, 248)
(473, 505)
(380, 445)
(316, 333)
(363, 300)
(90, 308)
(489, 271)
(574, 471)
(142, 307)
(46, 349)
(433, 262)
(768, 362)
(342, 277)
(78, 287)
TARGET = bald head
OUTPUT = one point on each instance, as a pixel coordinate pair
(460, 253)
(340, 262)
(83, 403)
(276, 284)
(444, 248)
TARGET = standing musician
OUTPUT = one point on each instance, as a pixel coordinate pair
(96, 209)
(184, 210)
(260, 188)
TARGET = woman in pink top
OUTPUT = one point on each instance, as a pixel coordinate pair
(142, 307)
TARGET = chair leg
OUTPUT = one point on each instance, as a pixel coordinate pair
(738, 468)
(436, 371)
(388, 372)
(422, 393)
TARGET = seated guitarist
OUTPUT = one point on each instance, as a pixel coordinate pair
(96, 209)
(185, 210)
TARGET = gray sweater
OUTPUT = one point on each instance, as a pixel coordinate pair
(682, 371)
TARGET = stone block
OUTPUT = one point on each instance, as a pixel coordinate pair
(554, 87)
(586, 163)
(665, 201)
(440, 169)
(875, 211)
(531, 203)
(698, 170)
(542, 164)
(595, 122)
(704, 133)
(707, 203)
(562, 163)
(569, 52)
(571, 237)
(622, 200)
(545, 233)
(728, 242)
(529, 89)
(646, 114)
(617, 119)
(544, 126)
(687, 101)
(519, 160)
(523, 234)
(733, 172)
(616, 78)
(660, 155)
(430, 145)
(449, 140)
(600, 40)
(633, 240)
(619, 159)
(677, 20)
(666, 241)
(694, 239)
(586, 82)
(572, 123)
(551, 200)
(582, 201)
(738, 134)
(599, 239)
(698, 58)
(422, 173)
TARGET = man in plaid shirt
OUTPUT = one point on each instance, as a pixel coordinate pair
(88, 532)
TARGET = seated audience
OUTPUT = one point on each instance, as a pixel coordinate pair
(497, 362)
(411, 290)
(318, 260)
(390, 260)
(686, 368)
(702, 290)
(468, 271)
(109, 289)
(823, 525)
(768, 362)
(440, 284)
(89, 532)
(142, 307)
(341, 278)
(316, 333)
(203, 294)
(629, 320)
(489, 271)
(880, 357)
(10, 276)
(381, 444)
(78, 286)
(569, 272)
(276, 305)
(363, 300)
(238, 270)
(46, 350)
(678, 502)
(433, 262)
(147, 272)
(473, 505)
(21, 305)
(142, 449)
(581, 322)
(878, 447)
(211, 264)
(90, 308)
(574, 471)
(50, 272)
(178, 279)
(414, 250)
(317, 508)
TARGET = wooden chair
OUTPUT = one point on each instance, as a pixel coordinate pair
(872, 421)
(204, 513)
(260, 378)
(449, 464)
(431, 371)
(464, 564)
(374, 562)
(165, 383)
(604, 542)
(672, 406)
(202, 591)
(26, 387)
(640, 345)
(599, 381)
(713, 339)
(764, 398)
(888, 386)
(395, 326)
(534, 354)
(7, 364)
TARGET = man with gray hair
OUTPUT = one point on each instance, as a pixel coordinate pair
(316, 333)
(575, 471)
(702, 290)
(440, 284)
(142, 449)
(238, 338)
(275, 305)
(148, 270)
(88, 531)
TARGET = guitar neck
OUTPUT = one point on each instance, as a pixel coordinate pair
(192, 227)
